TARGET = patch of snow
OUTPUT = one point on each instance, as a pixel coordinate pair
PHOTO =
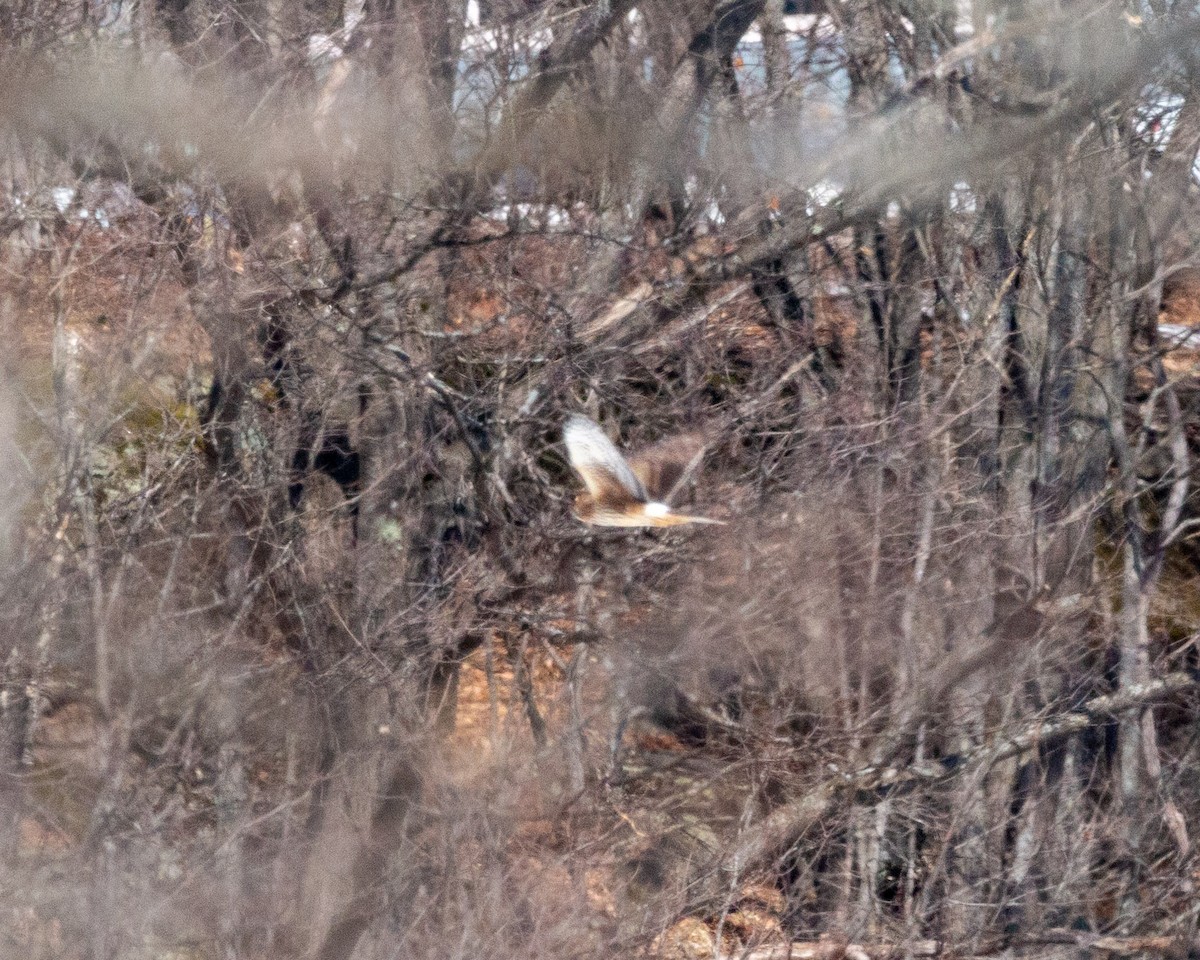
(962, 198)
(1178, 335)
(480, 41)
(822, 194)
(322, 49)
(98, 215)
(1156, 116)
(637, 28)
(803, 22)
(557, 217)
(964, 24)
(548, 216)
(62, 198)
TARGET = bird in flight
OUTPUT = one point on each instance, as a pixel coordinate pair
(630, 493)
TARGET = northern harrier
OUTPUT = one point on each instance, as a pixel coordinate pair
(630, 493)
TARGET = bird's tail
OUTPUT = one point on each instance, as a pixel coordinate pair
(676, 519)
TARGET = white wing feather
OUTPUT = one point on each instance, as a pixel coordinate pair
(589, 448)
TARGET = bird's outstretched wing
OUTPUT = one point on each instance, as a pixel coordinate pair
(665, 468)
(606, 474)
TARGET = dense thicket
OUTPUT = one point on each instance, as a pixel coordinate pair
(304, 653)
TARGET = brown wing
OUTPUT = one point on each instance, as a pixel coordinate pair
(664, 468)
(605, 473)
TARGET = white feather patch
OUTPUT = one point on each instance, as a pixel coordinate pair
(589, 448)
